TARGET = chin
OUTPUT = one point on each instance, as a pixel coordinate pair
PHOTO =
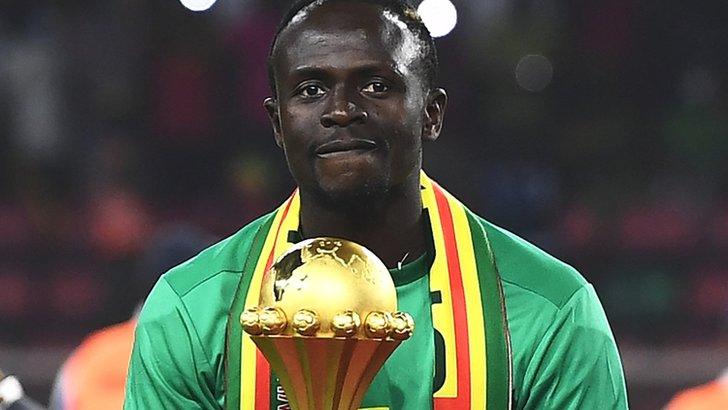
(351, 190)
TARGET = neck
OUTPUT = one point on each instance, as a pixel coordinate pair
(391, 228)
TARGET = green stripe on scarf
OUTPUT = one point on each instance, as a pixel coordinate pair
(497, 349)
(234, 330)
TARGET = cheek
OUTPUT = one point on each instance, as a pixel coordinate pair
(409, 125)
(406, 141)
(296, 125)
(291, 117)
(414, 109)
(403, 116)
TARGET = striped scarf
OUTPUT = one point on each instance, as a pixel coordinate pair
(471, 316)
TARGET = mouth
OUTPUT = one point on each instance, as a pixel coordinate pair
(345, 147)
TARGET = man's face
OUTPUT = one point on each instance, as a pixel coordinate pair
(350, 110)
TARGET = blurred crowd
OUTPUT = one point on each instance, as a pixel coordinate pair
(598, 130)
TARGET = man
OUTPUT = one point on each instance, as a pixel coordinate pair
(354, 101)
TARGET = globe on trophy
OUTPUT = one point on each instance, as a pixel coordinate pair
(327, 321)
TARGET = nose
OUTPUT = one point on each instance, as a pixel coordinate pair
(343, 114)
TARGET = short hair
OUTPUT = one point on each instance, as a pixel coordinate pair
(400, 8)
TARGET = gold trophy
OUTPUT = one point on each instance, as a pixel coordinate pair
(326, 322)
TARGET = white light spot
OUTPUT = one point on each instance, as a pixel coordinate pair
(198, 5)
(439, 16)
(534, 72)
(410, 48)
(304, 12)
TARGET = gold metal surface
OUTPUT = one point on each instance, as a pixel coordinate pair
(346, 324)
(250, 320)
(273, 320)
(376, 325)
(402, 326)
(308, 323)
(328, 276)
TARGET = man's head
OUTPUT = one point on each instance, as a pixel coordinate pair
(354, 97)
(400, 9)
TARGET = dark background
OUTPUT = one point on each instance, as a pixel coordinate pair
(597, 130)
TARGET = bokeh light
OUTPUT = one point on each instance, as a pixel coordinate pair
(198, 5)
(439, 16)
(534, 72)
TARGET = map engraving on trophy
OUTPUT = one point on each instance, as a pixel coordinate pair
(333, 250)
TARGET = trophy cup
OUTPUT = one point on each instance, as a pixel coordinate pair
(326, 322)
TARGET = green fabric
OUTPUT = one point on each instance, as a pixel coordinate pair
(392, 384)
(234, 331)
(564, 352)
(497, 347)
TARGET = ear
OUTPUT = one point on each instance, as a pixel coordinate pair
(271, 107)
(434, 114)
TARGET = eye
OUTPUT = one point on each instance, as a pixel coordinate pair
(311, 91)
(376, 87)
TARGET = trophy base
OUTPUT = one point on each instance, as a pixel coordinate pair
(325, 373)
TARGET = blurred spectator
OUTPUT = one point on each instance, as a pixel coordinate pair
(710, 396)
(93, 376)
(119, 223)
(30, 75)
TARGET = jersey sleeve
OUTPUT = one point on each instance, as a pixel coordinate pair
(168, 367)
(576, 365)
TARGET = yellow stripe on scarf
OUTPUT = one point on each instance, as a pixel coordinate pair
(442, 313)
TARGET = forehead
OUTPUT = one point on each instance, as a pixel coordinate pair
(337, 33)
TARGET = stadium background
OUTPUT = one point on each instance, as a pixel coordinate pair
(597, 130)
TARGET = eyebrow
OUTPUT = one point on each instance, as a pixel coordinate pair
(308, 71)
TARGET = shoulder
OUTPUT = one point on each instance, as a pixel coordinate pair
(554, 316)
(225, 257)
(523, 265)
(187, 309)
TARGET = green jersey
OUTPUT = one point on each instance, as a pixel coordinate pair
(564, 354)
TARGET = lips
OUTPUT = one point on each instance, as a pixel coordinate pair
(342, 147)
